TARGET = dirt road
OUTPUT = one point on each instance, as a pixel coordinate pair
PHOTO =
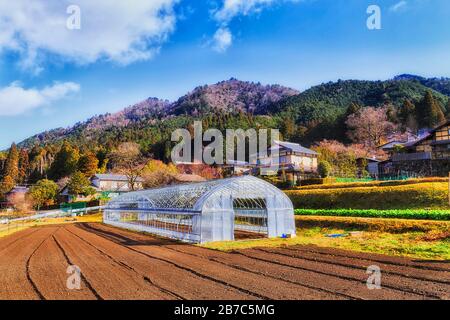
(118, 264)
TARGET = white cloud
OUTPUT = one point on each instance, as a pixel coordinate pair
(398, 6)
(232, 9)
(16, 100)
(222, 39)
(114, 30)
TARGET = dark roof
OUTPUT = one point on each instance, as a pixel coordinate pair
(294, 147)
(114, 177)
(430, 134)
(393, 143)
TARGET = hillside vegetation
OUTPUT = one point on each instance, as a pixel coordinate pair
(414, 196)
(317, 111)
(331, 111)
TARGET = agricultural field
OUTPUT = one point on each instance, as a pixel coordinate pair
(419, 239)
(8, 229)
(119, 264)
(381, 196)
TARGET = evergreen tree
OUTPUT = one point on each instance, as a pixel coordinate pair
(407, 115)
(429, 111)
(6, 185)
(24, 167)
(12, 163)
(289, 129)
(88, 164)
(392, 114)
(78, 184)
(65, 162)
(352, 109)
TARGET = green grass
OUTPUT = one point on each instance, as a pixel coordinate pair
(373, 213)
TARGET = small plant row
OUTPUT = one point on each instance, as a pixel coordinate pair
(373, 213)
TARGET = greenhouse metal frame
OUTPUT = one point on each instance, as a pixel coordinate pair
(207, 211)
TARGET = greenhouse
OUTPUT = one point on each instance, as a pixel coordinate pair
(216, 210)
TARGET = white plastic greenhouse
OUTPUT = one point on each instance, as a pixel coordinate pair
(215, 210)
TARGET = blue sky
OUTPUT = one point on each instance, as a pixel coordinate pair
(51, 76)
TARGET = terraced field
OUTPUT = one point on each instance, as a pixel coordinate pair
(118, 264)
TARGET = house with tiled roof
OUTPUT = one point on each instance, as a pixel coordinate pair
(288, 157)
(426, 156)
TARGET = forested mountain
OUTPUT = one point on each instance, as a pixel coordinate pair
(321, 112)
(317, 113)
(328, 101)
(441, 85)
(231, 96)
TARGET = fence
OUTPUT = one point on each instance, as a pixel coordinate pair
(8, 226)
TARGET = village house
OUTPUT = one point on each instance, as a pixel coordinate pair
(237, 168)
(427, 156)
(107, 185)
(289, 158)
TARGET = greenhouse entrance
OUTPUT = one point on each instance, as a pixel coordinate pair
(216, 210)
(250, 218)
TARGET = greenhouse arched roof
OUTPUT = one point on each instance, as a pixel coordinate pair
(191, 197)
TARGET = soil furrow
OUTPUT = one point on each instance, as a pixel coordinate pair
(126, 265)
(267, 271)
(434, 265)
(168, 275)
(198, 274)
(27, 267)
(401, 282)
(14, 278)
(362, 264)
(120, 264)
(8, 241)
(251, 282)
(109, 279)
(351, 287)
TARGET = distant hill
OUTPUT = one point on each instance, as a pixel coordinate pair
(224, 104)
(441, 85)
(328, 100)
(231, 96)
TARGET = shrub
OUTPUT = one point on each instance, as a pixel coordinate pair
(43, 193)
(330, 185)
(324, 168)
(316, 182)
(420, 195)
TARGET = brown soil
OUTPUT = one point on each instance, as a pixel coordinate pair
(120, 264)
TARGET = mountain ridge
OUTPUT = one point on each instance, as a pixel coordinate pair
(319, 103)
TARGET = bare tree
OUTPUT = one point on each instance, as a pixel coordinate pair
(369, 126)
(127, 160)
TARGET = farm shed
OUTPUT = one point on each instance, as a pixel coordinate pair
(215, 210)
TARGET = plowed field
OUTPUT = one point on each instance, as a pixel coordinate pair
(118, 264)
